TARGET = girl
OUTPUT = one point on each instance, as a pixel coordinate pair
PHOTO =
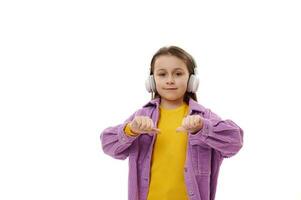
(174, 144)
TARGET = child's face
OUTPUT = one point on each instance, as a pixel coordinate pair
(170, 72)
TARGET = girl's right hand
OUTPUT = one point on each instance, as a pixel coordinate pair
(143, 124)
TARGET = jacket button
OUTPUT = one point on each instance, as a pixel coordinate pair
(190, 193)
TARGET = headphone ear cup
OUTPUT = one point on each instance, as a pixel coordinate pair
(150, 84)
(193, 83)
(147, 84)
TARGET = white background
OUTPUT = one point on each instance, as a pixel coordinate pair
(69, 69)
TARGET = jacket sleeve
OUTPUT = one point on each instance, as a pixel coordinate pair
(115, 142)
(222, 135)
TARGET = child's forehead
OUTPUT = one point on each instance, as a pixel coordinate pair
(168, 59)
(169, 63)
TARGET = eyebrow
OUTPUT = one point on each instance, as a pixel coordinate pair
(173, 70)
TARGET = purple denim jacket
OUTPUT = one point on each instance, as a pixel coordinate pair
(206, 149)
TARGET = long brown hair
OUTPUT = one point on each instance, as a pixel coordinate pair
(185, 57)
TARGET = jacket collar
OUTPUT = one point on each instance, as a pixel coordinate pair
(193, 105)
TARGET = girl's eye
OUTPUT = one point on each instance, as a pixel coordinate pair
(178, 74)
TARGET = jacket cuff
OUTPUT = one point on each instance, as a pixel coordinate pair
(202, 135)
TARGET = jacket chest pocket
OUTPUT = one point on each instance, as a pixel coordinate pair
(201, 159)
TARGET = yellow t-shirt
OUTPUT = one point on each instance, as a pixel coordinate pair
(168, 157)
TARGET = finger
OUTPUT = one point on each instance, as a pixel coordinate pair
(192, 122)
(156, 130)
(189, 123)
(134, 123)
(149, 124)
(198, 120)
(181, 129)
(195, 121)
(143, 123)
(152, 128)
(152, 132)
(186, 123)
(138, 122)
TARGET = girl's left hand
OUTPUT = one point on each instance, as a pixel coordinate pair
(191, 123)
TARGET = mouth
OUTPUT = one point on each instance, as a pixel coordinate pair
(171, 88)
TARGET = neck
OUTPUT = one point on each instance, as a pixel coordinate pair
(171, 104)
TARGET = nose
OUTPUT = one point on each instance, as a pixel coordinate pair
(170, 79)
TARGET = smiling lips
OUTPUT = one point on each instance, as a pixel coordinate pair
(170, 88)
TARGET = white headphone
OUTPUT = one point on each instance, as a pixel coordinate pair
(192, 86)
